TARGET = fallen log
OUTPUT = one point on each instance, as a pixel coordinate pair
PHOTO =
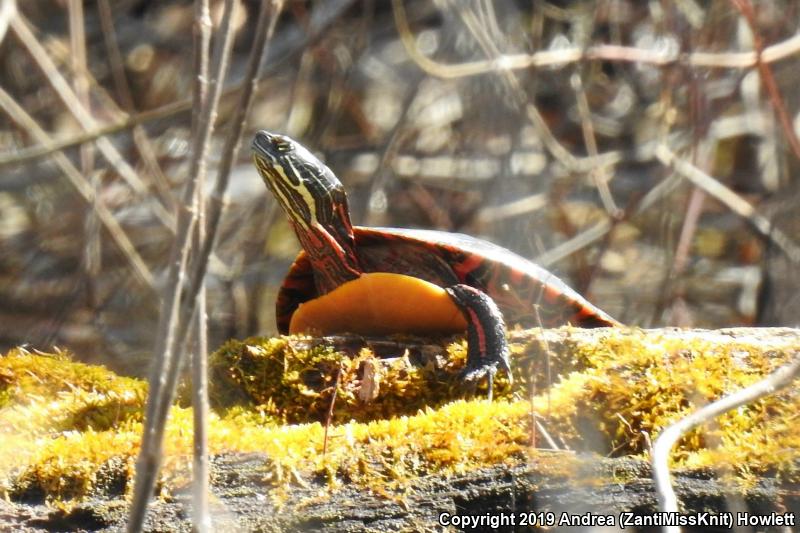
(569, 441)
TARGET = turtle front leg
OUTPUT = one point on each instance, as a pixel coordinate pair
(487, 348)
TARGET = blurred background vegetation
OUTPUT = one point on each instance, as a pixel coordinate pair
(641, 150)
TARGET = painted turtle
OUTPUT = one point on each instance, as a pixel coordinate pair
(387, 280)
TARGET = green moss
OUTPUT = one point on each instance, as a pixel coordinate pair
(64, 423)
(48, 392)
(24, 374)
(634, 385)
(47, 400)
(70, 440)
(284, 383)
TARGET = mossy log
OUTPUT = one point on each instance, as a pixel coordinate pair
(599, 396)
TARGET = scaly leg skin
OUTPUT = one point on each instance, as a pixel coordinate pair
(487, 349)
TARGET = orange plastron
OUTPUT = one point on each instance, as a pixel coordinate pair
(380, 303)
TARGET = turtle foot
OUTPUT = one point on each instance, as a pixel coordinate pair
(487, 349)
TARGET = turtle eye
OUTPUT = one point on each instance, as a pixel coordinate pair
(282, 144)
(272, 146)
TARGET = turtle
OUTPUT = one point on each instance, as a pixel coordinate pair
(376, 280)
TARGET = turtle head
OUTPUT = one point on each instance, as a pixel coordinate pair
(316, 204)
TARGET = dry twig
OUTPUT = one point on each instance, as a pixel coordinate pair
(181, 305)
(173, 324)
(603, 52)
(767, 78)
(600, 175)
(140, 137)
(733, 201)
(324, 15)
(777, 380)
(82, 186)
(8, 10)
(72, 103)
(205, 106)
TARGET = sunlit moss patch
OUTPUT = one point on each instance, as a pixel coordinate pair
(66, 457)
(78, 412)
(71, 431)
(632, 386)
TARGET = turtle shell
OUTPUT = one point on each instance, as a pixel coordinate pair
(526, 293)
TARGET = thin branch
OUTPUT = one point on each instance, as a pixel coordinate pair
(26, 155)
(77, 35)
(202, 126)
(514, 208)
(690, 222)
(83, 187)
(115, 60)
(602, 52)
(140, 138)
(177, 313)
(200, 408)
(486, 42)
(599, 175)
(20, 28)
(576, 243)
(767, 78)
(329, 416)
(733, 201)
(777, 380)
(8, 10)
(234, 137)
(399, 133)
(325, 14)
(546, 434)
(599, 230)
(200, 412)
(92, 256)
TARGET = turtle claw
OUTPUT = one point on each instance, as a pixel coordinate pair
(474, 375)
(489, 370)
(487, 348)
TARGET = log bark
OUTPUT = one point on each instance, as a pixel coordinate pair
(514, 492)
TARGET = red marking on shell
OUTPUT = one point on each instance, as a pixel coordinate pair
(470, 263)
(295, 282)
(551, 295)
(516, 276)
(584, 314)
